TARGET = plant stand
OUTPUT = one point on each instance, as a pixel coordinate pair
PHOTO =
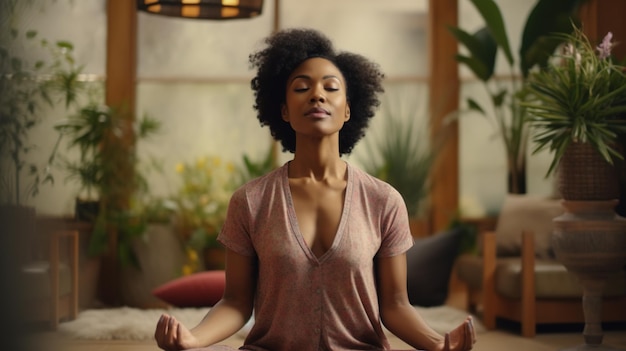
(590, 240)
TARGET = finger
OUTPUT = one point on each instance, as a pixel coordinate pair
(161, 330)
(446, 342)
(175, 334)
(468, 337)
(473, 329)
(171, 333)
(179, 335)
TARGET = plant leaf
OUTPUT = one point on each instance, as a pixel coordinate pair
(490, 12)
(546, 18)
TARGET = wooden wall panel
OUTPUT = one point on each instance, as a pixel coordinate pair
(120, 90)
(444, 99)
(602, 16)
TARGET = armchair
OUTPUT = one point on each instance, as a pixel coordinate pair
(516, 277)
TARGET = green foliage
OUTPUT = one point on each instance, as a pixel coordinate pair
(256, 168)
(198, 207)
(25, 89)
(578, 97)
(402, 155)
(98, 132)
(507, 110)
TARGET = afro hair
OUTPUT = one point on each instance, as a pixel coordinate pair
(284, 52)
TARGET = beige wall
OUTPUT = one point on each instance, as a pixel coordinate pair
(194, 77)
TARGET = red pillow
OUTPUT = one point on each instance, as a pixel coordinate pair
(202, 289)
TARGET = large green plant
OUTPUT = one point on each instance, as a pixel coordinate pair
(505, 111)
(402, 155)
(97, 131)
(26, 88)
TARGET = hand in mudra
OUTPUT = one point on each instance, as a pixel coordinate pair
(171, 335)
(461, 338)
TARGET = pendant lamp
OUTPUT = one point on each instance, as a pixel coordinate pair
(203, 9)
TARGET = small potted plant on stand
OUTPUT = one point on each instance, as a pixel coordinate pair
(26, 90)
(578, 112)
(95, 171)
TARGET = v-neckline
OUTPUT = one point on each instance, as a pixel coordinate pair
(293, 219)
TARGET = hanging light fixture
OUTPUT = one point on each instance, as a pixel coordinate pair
(203, 9)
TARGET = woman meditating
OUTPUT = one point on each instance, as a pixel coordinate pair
(317, 247)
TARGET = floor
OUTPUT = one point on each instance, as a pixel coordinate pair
(494, 340)
(506, 338)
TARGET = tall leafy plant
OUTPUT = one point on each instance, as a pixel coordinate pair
(505, 110)
(26, 89)
(402, 155)
(96, 170)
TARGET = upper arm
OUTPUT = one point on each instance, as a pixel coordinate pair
(241, 279)
(391, 280)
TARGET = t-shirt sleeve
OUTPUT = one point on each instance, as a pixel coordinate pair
(396, 235)
(235, 233)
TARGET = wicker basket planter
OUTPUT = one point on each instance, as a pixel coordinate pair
(585, 176)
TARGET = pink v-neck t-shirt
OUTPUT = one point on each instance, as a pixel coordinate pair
(303, 302)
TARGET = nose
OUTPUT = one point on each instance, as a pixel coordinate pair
(317, 94)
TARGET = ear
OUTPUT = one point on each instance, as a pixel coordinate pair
(347, 113)
(284, 114)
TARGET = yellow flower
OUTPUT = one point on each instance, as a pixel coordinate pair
(230, 167)
(201, 162)
(180, 168)
(192, 255)
(187, 270)
(217, 161)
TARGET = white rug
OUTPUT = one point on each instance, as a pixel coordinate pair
(127, 323)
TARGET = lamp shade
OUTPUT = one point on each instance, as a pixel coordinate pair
(203, 9)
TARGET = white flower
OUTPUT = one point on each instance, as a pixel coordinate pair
(604, 49)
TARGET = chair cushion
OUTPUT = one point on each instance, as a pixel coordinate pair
(429, 265)
(202, 289)
(526, 212)
(552, 280)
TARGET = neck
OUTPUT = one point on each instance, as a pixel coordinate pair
(311, 163)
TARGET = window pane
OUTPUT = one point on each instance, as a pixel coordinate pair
(199, 120)
(391, 32)
(482, 158)
(196, 48)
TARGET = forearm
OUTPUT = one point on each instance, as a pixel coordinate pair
(222, 321)
(404, 322)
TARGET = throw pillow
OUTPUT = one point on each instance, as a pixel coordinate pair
(202, 289)
(429, 265)
(526, 212)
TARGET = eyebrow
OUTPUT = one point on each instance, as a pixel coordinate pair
(304, 76)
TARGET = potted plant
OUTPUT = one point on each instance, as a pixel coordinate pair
(578, 112)
(579, 108)
(26, 88)
(199, 207)
(403, 156)
(96, 170)
(506, 97)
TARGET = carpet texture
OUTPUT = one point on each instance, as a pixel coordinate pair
(127, 323)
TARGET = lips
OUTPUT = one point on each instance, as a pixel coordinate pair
(317, 112)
